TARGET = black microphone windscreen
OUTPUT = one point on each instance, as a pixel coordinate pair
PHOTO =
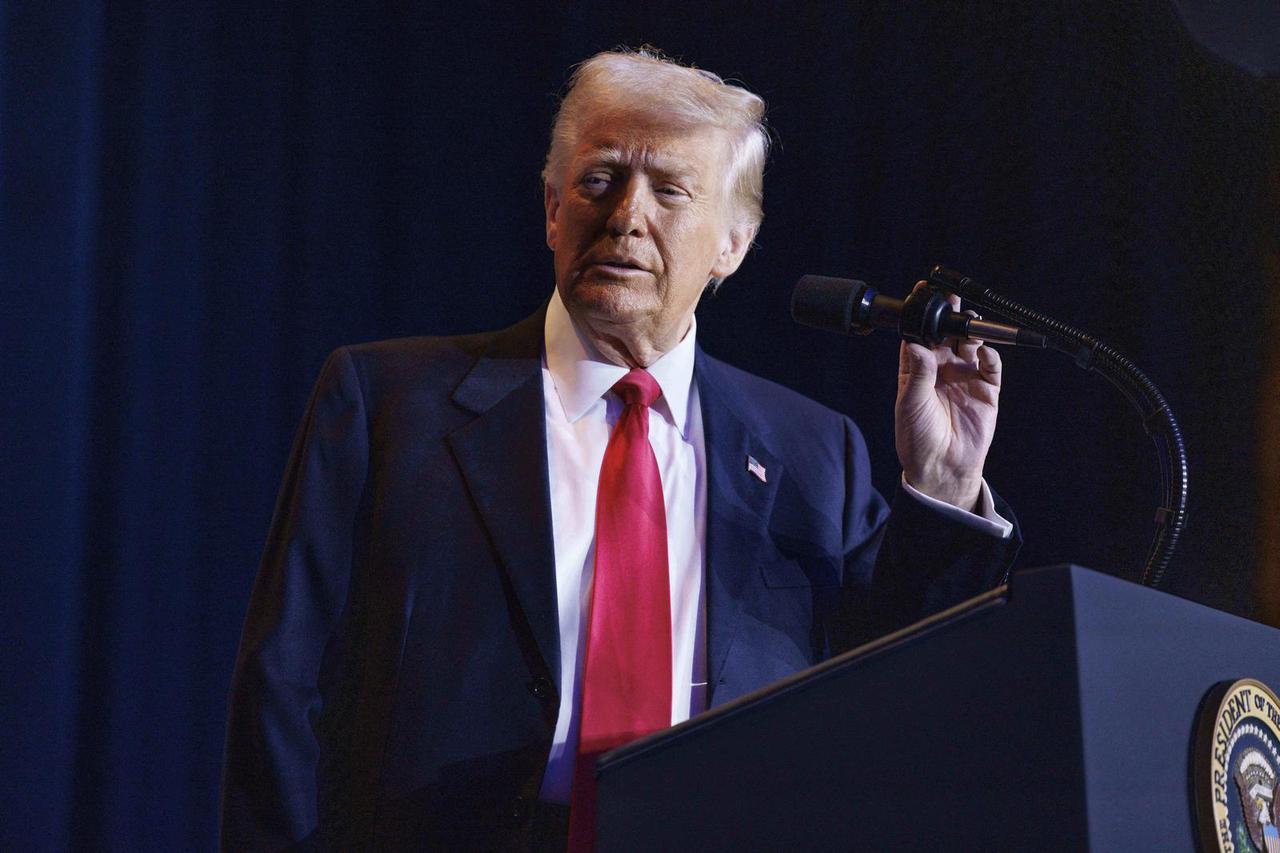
(826, 303)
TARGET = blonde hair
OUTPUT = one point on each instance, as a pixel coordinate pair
(647, 83)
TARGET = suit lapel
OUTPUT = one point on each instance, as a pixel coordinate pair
(502, 455)
(738, 509)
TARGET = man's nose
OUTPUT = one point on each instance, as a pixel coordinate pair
(629, 215)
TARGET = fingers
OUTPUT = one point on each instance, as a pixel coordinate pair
(965, 349)
(989, 366)
(975, 354)
(916, 365)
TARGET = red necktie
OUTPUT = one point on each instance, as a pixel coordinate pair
(626, 682)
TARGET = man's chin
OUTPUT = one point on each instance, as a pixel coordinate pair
(609, 300)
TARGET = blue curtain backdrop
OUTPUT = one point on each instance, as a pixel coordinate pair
(199, 201)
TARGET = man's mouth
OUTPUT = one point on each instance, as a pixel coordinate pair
(617, 264)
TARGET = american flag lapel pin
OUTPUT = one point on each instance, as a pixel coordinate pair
(754, 466)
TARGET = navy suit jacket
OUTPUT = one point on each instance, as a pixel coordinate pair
(396, 681)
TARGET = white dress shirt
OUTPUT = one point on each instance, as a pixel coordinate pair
(580, 412)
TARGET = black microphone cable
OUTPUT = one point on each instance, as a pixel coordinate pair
(1092, 354)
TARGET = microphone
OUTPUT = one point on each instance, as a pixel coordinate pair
(849, 307)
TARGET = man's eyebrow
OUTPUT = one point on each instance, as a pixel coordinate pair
(610, 155)
(607, 155)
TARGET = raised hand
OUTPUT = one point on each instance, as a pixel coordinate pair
(945, 416)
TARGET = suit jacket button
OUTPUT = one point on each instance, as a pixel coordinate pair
(519, 808)
(542, 688)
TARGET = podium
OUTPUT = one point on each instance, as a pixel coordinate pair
(1056, 713)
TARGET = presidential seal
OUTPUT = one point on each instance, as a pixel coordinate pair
(1237, 769)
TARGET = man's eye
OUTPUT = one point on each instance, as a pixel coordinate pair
(671, 192)
(595, 181)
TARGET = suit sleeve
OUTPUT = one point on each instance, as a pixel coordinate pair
(269, 773)
(909, 561)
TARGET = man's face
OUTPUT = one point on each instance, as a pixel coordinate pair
(640, 224)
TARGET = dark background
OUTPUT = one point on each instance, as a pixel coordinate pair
(198, 202)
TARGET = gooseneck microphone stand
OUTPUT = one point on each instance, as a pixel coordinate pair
(1091, 354)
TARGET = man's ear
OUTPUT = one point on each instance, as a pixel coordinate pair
(733, 250)
(551, 201)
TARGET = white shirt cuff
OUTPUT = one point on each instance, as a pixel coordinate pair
(985, 520)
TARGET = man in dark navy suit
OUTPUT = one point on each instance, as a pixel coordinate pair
(438, 640)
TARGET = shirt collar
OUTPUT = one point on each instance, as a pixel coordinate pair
(582, 376)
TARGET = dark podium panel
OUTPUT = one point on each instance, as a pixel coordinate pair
(1054, 714)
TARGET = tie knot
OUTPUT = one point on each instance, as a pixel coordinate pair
(637, 388)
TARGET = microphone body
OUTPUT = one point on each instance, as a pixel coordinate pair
(849, 307)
